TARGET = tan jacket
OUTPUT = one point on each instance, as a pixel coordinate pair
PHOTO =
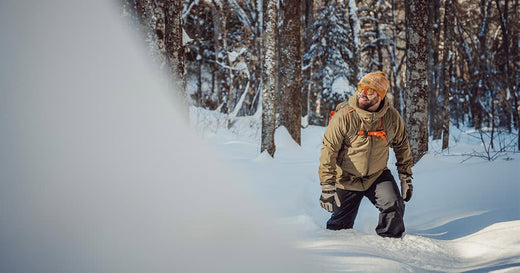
(353, 161)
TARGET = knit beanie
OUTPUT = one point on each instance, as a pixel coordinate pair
(376, 81)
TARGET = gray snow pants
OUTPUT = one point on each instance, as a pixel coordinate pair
(384, 194)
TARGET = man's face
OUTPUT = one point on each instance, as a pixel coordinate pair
(367, 98)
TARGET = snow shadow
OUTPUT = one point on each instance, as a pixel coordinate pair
(468, 225)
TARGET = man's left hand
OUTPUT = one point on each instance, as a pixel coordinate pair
(406, 186)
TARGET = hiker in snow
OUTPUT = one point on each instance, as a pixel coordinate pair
(354, 159)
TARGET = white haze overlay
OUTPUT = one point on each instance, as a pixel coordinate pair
(99, 172)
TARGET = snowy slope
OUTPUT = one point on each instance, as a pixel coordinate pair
(465, 213)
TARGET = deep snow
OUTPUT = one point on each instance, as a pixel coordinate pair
(464, 215)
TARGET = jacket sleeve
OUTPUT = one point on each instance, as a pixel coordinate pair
(332, 144)
(401, 148)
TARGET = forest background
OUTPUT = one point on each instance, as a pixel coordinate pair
(290, 62)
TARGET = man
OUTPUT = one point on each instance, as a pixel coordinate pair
(354, 158)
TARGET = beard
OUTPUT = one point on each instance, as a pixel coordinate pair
(364, 102)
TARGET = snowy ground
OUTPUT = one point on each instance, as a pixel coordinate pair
(464, 215)
(100, 173)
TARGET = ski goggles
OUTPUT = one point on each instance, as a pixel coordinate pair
(367, 90)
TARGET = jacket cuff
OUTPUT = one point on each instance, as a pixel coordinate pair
(328, 187)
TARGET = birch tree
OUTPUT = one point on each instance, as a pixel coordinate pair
(268, 75)
(416, 95)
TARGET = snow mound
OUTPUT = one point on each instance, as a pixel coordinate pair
(284, 141)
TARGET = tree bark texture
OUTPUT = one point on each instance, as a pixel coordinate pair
(416, 95)
(268, 75)
(432, 64)
(145, 12)
(174, 43)
(446, 71)
(216, 14)
(290, 77)
(307, 10)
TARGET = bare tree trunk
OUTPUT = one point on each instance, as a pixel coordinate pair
(220, 25)
(216, 14)
(433, 47)
(446, 109)
(199, 73)
(446, 71)
(307, 9)
(291, 70)
(356, 28)
(145, 14)
(416, 97)
(159, 28)
(481, 63)
(148, 20)
(515, 84)
(379, 46)
(256, 68)
(230, 76)
(517, 115)
(269, 85)
(174, 45)
(396, 63)
(504, 57)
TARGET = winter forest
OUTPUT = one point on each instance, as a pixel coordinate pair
(449, 62)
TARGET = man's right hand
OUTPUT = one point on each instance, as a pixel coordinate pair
(329, 197)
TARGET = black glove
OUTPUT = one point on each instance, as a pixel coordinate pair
(406, 186)
(329, 197)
